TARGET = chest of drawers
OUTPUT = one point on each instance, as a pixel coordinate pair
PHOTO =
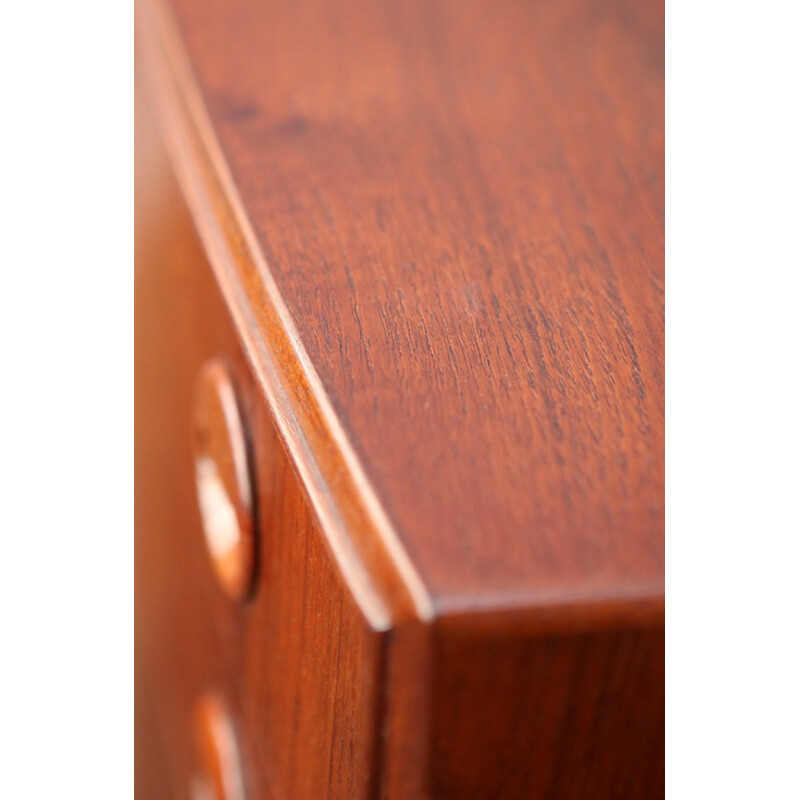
(400, 400)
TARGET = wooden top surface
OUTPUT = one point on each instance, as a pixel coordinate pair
(462, 208)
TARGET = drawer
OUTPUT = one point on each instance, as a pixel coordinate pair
(294, 663)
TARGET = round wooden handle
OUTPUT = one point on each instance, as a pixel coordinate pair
(223, 476)
(218, 764)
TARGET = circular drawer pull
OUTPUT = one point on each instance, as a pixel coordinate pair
(219, 775)
(224, 486)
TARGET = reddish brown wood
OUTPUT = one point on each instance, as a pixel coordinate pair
(436, 231)
(218, 763)
(297, 664)
(223, 477)
(558, 715)
(461, 208)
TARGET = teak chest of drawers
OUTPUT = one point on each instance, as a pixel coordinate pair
(400, 399)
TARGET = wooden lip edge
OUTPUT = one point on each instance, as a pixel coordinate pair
(365, 546)
(556, 611)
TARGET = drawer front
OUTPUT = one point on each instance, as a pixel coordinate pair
(294, 663)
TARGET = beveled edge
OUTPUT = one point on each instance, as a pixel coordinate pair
(366, 549)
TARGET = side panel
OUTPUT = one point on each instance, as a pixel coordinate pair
(574, 717)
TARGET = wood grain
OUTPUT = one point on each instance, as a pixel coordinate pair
(297, 664)
(427, 240)
(553, 716)
(462, 210)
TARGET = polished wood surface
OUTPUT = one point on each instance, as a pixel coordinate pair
(296, 664)
(223, 476)
(436, 238)
(220, 775)
(461, 207)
